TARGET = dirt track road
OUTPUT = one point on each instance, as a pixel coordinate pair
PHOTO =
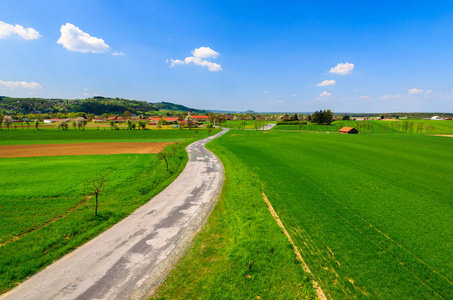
(130, 259)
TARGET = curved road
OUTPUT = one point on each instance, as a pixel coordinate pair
(130, 259)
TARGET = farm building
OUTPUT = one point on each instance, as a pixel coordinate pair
(349, 130)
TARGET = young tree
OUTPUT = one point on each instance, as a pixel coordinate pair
(7, 120)
(62, 124)
(79, 122)
(95, 188)
(163, 156)
(209, 127)
(160, 123)
(141, 124)
(27, 122)
(1, 122)
(84, 123)
(112, 124)
(129, 124)
(197, 133)
(300, 124)
(174, 147)
(36, 123)
(74, 124)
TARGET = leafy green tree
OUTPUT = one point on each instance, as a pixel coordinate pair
(112, 124)
(27, 122)
(129, 124)
(346, 118)
(62, 124)
(160, 123)
(209, 127)
(324, 117)
(36, 124)
(74, 124)
(141, 124)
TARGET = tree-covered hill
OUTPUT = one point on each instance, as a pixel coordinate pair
(97, 105)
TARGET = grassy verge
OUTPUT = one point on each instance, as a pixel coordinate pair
(45, 212)
(239, 230)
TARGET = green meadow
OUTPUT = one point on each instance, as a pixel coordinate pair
(379, 127)
(371, 215)
(45, 208)
(53, 136)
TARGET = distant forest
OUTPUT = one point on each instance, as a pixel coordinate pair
(97, 105)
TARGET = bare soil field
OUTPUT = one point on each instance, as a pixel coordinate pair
(7, 151)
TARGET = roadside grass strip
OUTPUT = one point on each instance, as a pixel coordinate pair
(45, 211)
(240, 230)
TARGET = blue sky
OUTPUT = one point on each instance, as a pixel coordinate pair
(348, 56)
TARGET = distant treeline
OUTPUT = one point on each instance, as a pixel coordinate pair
(97, 105)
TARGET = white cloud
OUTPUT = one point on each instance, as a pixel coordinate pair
(205, 52)
(294, 95)
(85, 89)
(20, 84)
(275, 101)
(266, 91)
(120, 53)
(363, 97)
(86, 94)
(429, 92)
(342, 69)
(326, 83)
(26, 33)
(355, 90)
(325, 94)
(391, 97)
(174, 62)
(198, 54)
(204, 63)
(74, 39)
(415, 91)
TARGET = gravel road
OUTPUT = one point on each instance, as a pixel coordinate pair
(130, 259)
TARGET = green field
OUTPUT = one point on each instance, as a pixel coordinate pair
(240, 229)
(45, 211)
(249, 124)
(371, 214)
(378, 127)
(52, 136)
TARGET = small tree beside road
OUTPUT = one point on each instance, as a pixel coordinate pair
(95, 187)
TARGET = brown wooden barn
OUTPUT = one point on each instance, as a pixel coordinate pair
(349, 130)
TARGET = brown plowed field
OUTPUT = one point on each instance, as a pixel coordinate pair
(79, 149)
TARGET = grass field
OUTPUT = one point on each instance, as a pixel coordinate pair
(249, 124)
(377, 127)
(239, 230)
(371, 215)
(45, 211)
(52, 136)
